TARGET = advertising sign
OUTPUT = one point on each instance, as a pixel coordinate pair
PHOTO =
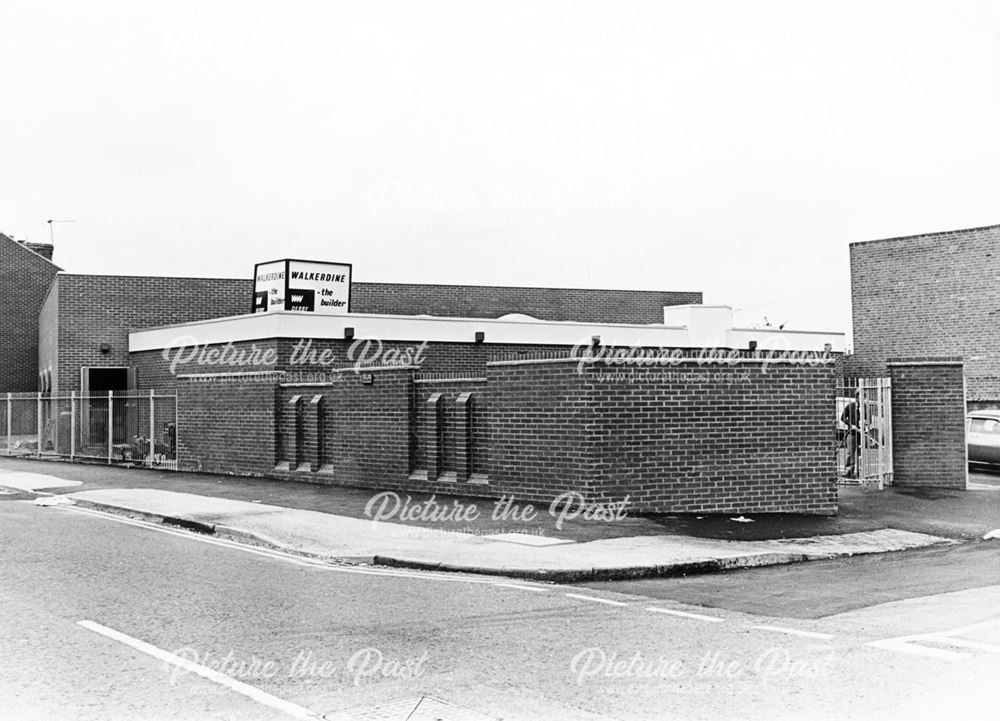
(269, 287)
(305, 286)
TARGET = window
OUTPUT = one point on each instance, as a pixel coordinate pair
(985, 425)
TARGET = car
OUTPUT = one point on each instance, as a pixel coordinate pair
(982, 434)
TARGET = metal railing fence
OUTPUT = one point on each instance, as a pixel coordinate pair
(129, 428)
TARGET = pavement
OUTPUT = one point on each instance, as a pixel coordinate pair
(547, 543)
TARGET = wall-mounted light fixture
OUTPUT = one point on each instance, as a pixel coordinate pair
(105, 348)
(753, 346)
(827, 347)
(480, 336)
(595, 340)
(348, 333)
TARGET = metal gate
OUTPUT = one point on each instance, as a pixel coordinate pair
(864, 432)
(128, 428)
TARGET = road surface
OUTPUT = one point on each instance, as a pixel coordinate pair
(106, 618)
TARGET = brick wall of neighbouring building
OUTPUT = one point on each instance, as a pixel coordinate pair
(25, 278)
(929, 295)
(479, 301)
(928, 422)
(101, 309)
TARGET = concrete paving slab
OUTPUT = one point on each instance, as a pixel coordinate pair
(528, 539)
(22, 481)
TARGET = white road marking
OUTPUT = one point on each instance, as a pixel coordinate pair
(964, 643)
(796, 632)
(232, 684)
(915, 644)
(685, 614)
(536, 589)
(971, 627)
(904, 645)
(294, 559)
(596, 599)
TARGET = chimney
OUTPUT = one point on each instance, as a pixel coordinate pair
(43, 249)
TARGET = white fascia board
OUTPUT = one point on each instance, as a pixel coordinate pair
(769, 339)
(417, 329)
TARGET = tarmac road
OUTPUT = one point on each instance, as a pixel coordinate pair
(823, 588)
(92, 605)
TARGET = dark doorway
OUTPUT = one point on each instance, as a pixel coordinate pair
(105, 423)
(102, 380)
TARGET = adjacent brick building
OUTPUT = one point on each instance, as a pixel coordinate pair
(86, 318)
(26, 272)
(936, 294)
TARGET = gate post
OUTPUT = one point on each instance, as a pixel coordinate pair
(38, 451)
(10, 408)
(72, 425)
(152, 427)
(928, 422)
(111, 431)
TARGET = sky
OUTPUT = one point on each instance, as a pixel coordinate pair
(734, 148)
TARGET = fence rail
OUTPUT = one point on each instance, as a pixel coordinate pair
(136, 429)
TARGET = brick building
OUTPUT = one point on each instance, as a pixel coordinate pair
(510, 406)
(525, 391)
(26, 272)
(86, 319)
(936, 294)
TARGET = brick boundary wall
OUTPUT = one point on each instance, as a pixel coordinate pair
(539, 428)
(689, 438)
(717, 439)
(364, 429)
(746, 437)
(226, 423)
(928, 422)
(453, 441)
